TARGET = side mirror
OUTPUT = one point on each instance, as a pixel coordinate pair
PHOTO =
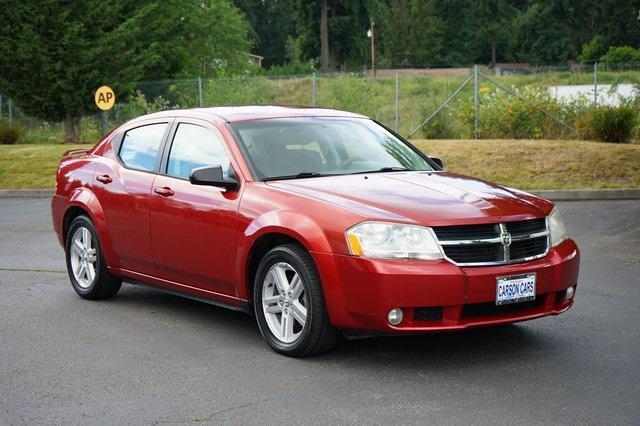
(438, 162)
(212, 176)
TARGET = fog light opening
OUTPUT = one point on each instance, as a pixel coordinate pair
(569, 293)
(395, 316)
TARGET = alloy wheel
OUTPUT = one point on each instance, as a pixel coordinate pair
(83, 257)
(284, 302)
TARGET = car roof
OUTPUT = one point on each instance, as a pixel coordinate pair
(253, 112)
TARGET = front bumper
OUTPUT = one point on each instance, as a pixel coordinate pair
(438, 295)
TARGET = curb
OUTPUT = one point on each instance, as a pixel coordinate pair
(588, 194)
(26, 193)
(549, 194)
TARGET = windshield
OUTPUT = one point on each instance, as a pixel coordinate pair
(318, 146)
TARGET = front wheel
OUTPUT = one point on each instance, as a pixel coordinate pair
(289, 304)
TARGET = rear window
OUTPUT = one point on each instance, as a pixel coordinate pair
(140, 146)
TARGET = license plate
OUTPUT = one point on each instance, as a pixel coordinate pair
(516, 288)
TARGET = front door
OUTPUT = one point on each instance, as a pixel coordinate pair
(194, 229)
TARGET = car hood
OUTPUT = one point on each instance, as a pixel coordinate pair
(428, 198)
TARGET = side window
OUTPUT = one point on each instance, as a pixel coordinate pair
(139, 148)
(196, 146)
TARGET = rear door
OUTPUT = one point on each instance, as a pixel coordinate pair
(123, 180)
(194, 229)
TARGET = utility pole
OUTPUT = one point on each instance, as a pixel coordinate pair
(595, 84)
(372, 35)
(397, 114)
(476, 106)
(104, 122)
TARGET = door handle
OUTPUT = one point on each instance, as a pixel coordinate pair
(104, 178)
(164, 191)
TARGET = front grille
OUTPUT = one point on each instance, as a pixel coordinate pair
(526, 227)
(528, 248)
(427, 314)
(467, 232)
(499, 243)
(474, 253)
(476, 310)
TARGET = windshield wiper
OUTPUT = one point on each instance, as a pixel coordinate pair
(383, 170)
(392, 169)
(300, 175)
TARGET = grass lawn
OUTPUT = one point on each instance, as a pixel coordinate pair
(524, 164)
(536, 164)
(30, 166)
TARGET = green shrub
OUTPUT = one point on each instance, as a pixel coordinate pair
(139, 105)
(594, 49)
(293, 68)
(533, 114)
(621, 55)
(10, 133)
(611, 124)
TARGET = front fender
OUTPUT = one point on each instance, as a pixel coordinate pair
(292, 224)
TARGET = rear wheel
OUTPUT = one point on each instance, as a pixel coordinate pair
(289, 304)
(86, 267)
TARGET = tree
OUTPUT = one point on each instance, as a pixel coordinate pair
(413, 34)
(273, 23)
(55, 53)
(324, 36)
(347, 25)
(621, 55)
(558, 30)
(425, 33)
(214, 37)
(542, 34)
(458, 32)
(594, 49)
(606, 23)
(493, 23)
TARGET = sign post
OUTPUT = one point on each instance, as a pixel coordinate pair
(105, 99)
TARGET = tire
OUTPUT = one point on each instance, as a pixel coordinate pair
(317, 335)
(96, 283)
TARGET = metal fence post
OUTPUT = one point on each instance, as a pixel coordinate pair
(475, 102)
(200, 92)
(595, 84)
(314, 89)
(443, 105)
(10, 108)
(397, 115)
(104, 123)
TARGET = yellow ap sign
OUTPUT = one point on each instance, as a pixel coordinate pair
(105, 98)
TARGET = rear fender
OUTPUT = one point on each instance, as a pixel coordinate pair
(85, 199)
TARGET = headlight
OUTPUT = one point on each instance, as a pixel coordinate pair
(557, 231)
(393, 240)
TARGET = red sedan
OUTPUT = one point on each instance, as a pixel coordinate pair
(318, 222)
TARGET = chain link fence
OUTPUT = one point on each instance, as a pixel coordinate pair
(519, 101)
(512, 101)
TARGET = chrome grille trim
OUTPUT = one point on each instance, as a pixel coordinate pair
(496, 240)
(505, 240)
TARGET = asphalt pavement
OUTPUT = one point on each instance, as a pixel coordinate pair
(149, 357)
